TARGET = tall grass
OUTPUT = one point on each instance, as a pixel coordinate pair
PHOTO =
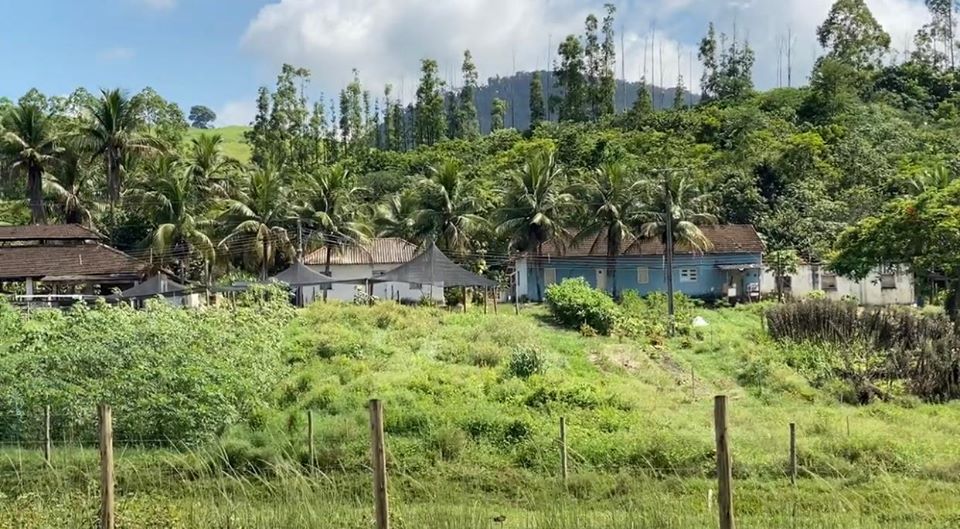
(877, 344)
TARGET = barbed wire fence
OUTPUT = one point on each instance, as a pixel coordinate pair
(90, 454)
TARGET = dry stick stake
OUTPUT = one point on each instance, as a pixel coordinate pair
(486, 296)
(47, 444)
(106, 467)
(496, 292)
(379, 459)
(793, 453)
(313, 458)
(563, 449)
(724, 470)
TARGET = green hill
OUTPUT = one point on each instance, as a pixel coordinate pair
(472, 405)
(234, 144)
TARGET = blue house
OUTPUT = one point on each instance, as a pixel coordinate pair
(731, 267)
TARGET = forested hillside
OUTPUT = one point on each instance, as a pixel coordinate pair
(870, 143)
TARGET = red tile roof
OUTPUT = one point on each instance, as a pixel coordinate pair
(729, 238)
(377, 251)
(50, 232)
(20, 262)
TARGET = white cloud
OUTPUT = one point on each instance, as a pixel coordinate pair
(385, 39)
(236, 113)
(160, 5)
(117, 54)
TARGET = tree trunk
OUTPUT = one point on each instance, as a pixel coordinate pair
(38, 215)
(952, 304)
(540, 269)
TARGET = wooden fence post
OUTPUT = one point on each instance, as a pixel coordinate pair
(496, 292)
(793, 453)
(486, 298)
(47, 443)
(379, 459)
(724, 470)
(106, 467)
(563, 449)
(313, 457)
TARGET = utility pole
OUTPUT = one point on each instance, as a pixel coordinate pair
(668, 195)
(264, 268)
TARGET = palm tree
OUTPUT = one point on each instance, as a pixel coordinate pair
(689, 206)
(447, 210)
(256, 215)
(113, 132)
(68, 187)
(208, 166)
(395, 217)
(331, 209)
(29, 144)
(169, 200)
(612, 198)
(535, 206)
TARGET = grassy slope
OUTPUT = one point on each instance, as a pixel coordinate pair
(467, 440)
(235, 145)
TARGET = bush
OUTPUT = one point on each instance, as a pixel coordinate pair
(575, 303)
(525, 363)
(867, 346)
(170, 374)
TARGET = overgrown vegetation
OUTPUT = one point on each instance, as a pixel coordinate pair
(172, 376)
(873, 345)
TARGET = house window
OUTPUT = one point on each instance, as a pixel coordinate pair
(888, 280)
(828, 282)
(416, 286)
(643, 275)
(689, 275)
(549, 276)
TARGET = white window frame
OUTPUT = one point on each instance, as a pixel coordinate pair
(689, 275)
(643, 275)
(549, 276)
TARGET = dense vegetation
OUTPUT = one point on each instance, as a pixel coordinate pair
(472, 407)
(866, 139)
(173, 376)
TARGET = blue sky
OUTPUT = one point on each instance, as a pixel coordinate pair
(217, 52)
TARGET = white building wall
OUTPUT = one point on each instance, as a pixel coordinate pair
(867, 292)
(345, 292)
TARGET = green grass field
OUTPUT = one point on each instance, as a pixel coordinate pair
(234, 144)
(469, 440)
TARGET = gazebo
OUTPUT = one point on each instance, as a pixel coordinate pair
(299, 275)
(434, 268)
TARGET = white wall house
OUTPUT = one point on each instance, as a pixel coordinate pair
(368, 261)
(890, 286)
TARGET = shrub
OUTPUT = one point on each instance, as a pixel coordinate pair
(866, 346)
(525, 362)
(575, 303)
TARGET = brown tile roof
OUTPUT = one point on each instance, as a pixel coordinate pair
(20, 262)
(729, 238)
(377, 251)
(37, 232)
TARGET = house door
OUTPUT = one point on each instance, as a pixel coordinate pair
(601, 279)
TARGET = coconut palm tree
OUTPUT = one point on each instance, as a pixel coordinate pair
(535, 206)
(447, 210)
(68, 188)
(395, 217)
(256, 216)
(331, 209)
(114, 130)
(208, 166)
(30, 147)
(690, 209)
(612, 198)
(169, 200)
